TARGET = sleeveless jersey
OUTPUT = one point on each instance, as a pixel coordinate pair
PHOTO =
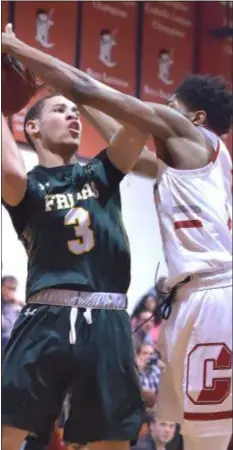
(71, 225)
(195, 214)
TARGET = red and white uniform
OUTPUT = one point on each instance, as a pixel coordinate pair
(195, 213)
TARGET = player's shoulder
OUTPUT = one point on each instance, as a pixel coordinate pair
(35, 172)
(96, 165)
(35, 177)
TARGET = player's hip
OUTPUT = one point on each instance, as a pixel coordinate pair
(204, 282)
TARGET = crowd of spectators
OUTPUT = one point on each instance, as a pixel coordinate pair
(146, 324)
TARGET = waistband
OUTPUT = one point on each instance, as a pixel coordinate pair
(208, 280)
(78, 299)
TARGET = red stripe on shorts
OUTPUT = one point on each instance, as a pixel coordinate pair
(188, 224)
(208, 416)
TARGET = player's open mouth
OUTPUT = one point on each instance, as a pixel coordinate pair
(74, 127)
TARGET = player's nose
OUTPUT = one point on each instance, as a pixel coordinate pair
(72, 116)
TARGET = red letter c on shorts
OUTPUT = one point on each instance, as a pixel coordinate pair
(209, 374)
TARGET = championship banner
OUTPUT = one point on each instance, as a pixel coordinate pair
(108, 53)
(215, 52)
(167, 48)
(108, 47)
(50, 27)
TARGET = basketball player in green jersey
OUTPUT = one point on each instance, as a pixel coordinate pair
(74, 332)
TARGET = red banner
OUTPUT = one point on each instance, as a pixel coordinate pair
(4, 13)
(50, 27)
(167, 51)
(108, 52)
(215, 54)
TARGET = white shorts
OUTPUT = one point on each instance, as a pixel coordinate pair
(196, 346)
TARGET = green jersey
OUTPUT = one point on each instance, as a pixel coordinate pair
(71, 226)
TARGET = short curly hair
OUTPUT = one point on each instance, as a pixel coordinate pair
(210, 94)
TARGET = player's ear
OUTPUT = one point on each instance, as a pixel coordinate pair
(32, 128)
(199, 118)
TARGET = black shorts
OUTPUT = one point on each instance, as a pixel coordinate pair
(40, 365)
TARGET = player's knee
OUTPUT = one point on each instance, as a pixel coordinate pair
(12, 438)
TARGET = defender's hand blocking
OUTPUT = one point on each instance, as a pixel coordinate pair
(18, 83)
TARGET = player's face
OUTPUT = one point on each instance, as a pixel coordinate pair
(59, 125)
(179, 106)
(196, 117)
(163, 431)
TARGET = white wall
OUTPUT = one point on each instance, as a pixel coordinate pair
(141, 223)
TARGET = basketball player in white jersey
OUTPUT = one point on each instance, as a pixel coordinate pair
(193, 196)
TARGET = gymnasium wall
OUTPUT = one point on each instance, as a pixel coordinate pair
(141, 48)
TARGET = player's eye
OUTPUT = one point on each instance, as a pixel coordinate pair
(59, 109)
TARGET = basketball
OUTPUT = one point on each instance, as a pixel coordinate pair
(18, 85)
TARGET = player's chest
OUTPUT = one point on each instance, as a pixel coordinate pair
(54, 201)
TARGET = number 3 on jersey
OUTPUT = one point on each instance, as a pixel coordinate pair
(79, 218)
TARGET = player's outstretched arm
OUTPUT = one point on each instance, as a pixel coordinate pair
(172, 128)
(14, 175)
(125, 147)
(145, 165)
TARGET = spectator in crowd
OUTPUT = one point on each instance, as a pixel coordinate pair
(144, 310)
(10, 307)
(147, 302)
(161, 436)
(149, 372)
(141, 329)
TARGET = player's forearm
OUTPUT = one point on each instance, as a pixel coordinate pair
(159, 120)
(145, 165)
(14, 175)
(80, 87)
(104, 124)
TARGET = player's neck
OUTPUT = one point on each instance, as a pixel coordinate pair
(48, 159)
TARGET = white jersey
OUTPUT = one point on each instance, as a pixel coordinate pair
(195, 215)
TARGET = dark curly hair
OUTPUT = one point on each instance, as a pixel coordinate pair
(210, 94)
